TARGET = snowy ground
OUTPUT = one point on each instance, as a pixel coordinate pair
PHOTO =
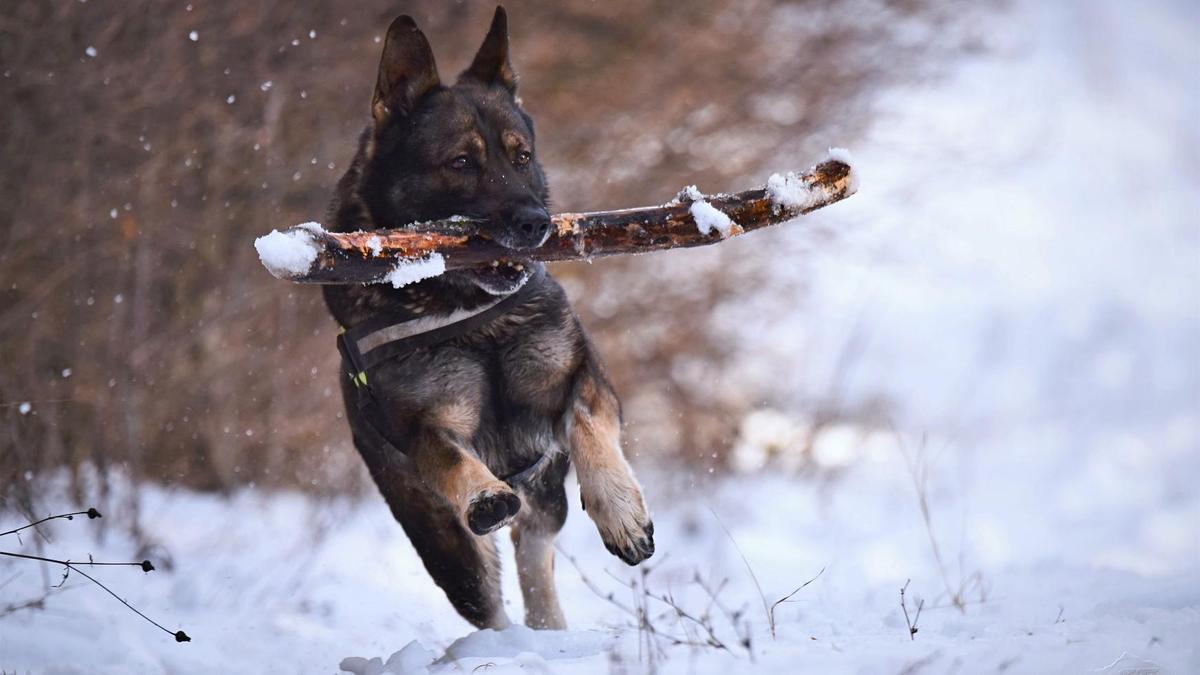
(1023, 265)
(1073, 581)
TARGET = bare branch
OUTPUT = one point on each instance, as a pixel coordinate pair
(71, 566)
(90, 513)
(365, 257)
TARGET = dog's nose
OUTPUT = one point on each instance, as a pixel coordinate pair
(532, 225)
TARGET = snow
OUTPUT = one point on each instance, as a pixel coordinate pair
(843, 155)
(375, 245)
(193, 36)
(304, 586)
(1023, 301)
(289, 253)
(91, 52)
(790, 191)
(709, 218)
(414, 658)
(411, 271)
(690, 193)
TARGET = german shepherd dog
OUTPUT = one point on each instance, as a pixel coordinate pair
(484, 403)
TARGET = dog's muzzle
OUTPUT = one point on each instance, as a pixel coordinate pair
(527, 227)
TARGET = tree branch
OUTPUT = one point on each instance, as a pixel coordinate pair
(309, 254)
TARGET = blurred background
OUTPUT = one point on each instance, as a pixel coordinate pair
(147, 145)
(1012, 299)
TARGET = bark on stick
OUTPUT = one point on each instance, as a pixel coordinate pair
(309, 254)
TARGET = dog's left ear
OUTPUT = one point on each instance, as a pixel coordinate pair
(491, 64)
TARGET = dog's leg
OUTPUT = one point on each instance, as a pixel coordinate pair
(608, 490)
(533, 540)
(446, 463)
(535, 571)
(464, 565)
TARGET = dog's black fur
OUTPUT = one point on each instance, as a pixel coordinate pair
(492, 401)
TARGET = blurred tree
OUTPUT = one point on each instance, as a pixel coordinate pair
(145, 145)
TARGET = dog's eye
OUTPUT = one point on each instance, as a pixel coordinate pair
(523, 158)
(460, 162)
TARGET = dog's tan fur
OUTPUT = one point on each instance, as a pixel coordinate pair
(610, 493)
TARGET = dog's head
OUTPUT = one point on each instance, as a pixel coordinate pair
(436, 151)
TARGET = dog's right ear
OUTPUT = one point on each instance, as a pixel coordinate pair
(406, 71)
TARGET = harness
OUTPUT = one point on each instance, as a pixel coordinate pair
(382, 338)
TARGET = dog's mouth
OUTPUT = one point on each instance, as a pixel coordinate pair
(501, 276)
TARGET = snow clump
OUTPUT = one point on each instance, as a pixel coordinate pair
(414, 658)
(843, 155)
(530, 651)
(290, 253)
(709, 218)
(791, 192)
(411, 271)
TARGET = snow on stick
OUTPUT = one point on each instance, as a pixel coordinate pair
(309, 254)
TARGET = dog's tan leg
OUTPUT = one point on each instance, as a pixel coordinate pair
(446, 463)
(610, 493)
(535, 572)
(490, 583)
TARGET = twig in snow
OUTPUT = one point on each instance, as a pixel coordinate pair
(786, 598)
(753, 577)
(912, 624)
(698, 627)
(918, 469)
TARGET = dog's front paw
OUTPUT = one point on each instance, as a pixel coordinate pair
(632, 547)
(491, 509)
(620, 515)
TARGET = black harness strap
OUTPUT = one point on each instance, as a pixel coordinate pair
(390, 336)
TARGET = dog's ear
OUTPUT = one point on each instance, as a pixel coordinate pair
(491, 64)
(406, 71)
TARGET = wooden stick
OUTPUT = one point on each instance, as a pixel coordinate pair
(309, 254)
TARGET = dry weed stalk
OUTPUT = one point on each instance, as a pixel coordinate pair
(73, 566)
(650, 610)
(967, 584)
(769, 610)
(912, 623)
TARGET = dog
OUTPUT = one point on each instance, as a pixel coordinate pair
(518, 391)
